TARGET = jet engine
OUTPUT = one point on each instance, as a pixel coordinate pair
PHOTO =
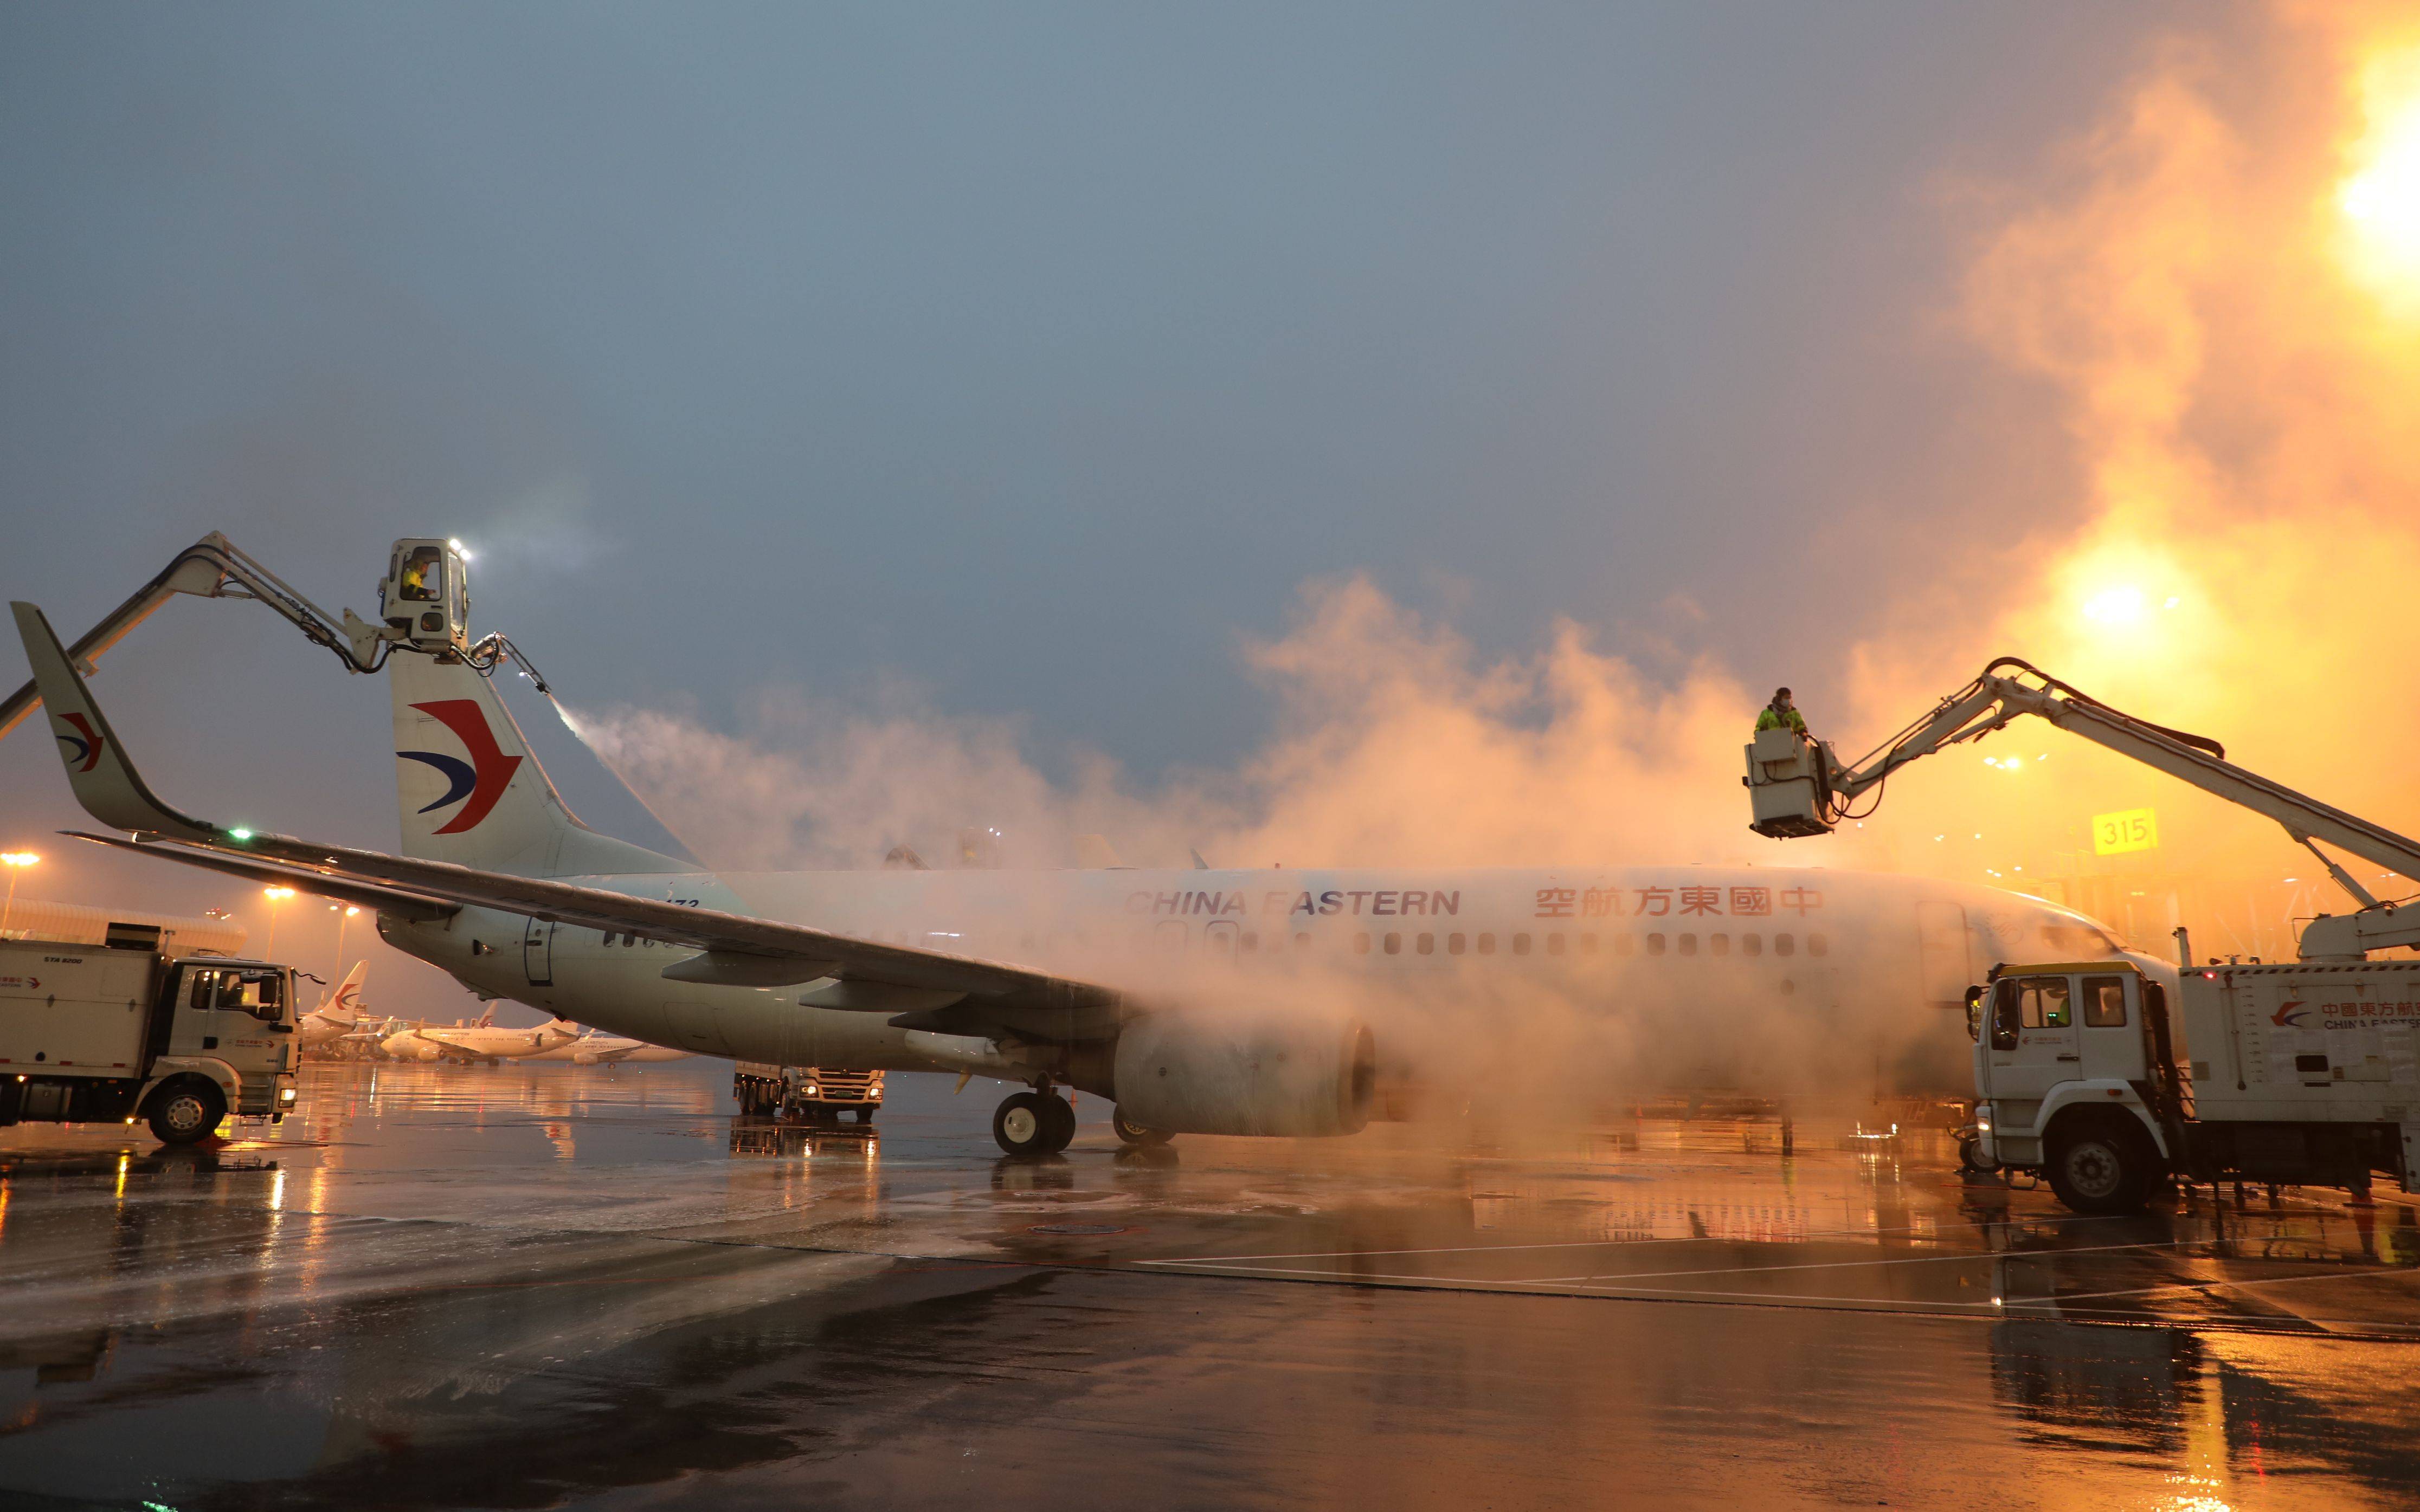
(1246, 1072)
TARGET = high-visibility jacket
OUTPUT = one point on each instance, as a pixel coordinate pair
(1774, 718)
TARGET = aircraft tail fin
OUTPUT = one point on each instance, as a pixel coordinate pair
(471, 792)
(344, 1005)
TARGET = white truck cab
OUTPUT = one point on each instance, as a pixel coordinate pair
(2074, 1077)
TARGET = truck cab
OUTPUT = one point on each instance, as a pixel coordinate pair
(2075, 1076)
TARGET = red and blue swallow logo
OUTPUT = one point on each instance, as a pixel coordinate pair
(2289, 1015)
(482, 779)
(85, 752)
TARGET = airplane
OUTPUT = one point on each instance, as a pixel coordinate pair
(483, 1040)
(338, 1016)
(1211, 1002)
(597, 1048)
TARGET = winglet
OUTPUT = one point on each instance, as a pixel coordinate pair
(104, 780)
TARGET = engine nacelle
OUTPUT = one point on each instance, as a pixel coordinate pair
(1247, 1073)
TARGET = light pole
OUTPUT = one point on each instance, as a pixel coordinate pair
(16, 861)
(343, 912)
(275, 896)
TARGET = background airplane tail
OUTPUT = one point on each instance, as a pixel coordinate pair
(472, 793)
(344, 1005)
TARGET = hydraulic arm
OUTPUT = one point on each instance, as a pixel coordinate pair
(1798, 787)
(214, 567)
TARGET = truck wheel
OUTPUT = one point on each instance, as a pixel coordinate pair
(1135, 1134)
(186, 1113)
(2102, 1167)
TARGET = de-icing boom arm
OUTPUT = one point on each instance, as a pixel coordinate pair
(1799, 787)
(215, 567)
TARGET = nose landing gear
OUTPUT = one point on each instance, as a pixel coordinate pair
(1030, 1125)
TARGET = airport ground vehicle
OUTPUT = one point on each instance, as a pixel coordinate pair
(119, 1033)
(2299, 1072)
(811, 1094)
(2302, 1073)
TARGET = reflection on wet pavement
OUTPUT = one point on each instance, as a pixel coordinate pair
(540, 1285)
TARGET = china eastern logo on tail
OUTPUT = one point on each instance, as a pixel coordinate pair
(478, 784)
(85, 754)
(2289, 1013)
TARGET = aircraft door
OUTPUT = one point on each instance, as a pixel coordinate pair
(1941, 955)
(538, 952)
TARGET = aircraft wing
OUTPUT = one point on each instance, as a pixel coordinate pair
(926, 989)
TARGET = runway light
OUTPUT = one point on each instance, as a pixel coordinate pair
(277, 892)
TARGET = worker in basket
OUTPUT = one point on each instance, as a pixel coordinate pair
(1780, 713)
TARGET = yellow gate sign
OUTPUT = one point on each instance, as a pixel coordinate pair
(2128, 829)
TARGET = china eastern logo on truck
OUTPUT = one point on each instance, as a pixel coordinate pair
(2355, 1016)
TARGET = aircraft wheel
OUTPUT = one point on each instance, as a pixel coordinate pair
(186, 1113)
(1063, 1120)
(1135, 1134)
(1023, 1126)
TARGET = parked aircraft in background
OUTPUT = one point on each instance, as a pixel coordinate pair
(483, 1040)
(338, 1016)
(1198, 1001)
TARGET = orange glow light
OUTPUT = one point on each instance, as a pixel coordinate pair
(2380, 197)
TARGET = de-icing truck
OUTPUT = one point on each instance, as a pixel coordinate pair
(2293, 1073)
(113, 1033)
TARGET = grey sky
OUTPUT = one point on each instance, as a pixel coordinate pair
(1032, 354)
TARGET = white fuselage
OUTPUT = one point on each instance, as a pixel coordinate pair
(1690, 957)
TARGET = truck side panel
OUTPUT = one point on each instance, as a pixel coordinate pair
(69, 1011)
(2305, 1041)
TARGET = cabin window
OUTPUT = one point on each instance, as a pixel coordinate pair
(1785, 944)
(1520, 945)
(1394, 942)
(1751, 945)
(1249, 943)
(2044, 1003)
(1688, 944)
(1426, 944)
(1454, 944)
(1302, 941)
(1555, 943)
(2104, 1003)
(1360, 944)
(1588, 942)
(1719, 944)
(1486, 943)
(1655, 945)
(1818, 945)
(1625, 945)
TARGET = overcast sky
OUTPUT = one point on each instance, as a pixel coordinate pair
(1033, 355)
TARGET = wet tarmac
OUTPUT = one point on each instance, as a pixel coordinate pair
(527, 1287)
